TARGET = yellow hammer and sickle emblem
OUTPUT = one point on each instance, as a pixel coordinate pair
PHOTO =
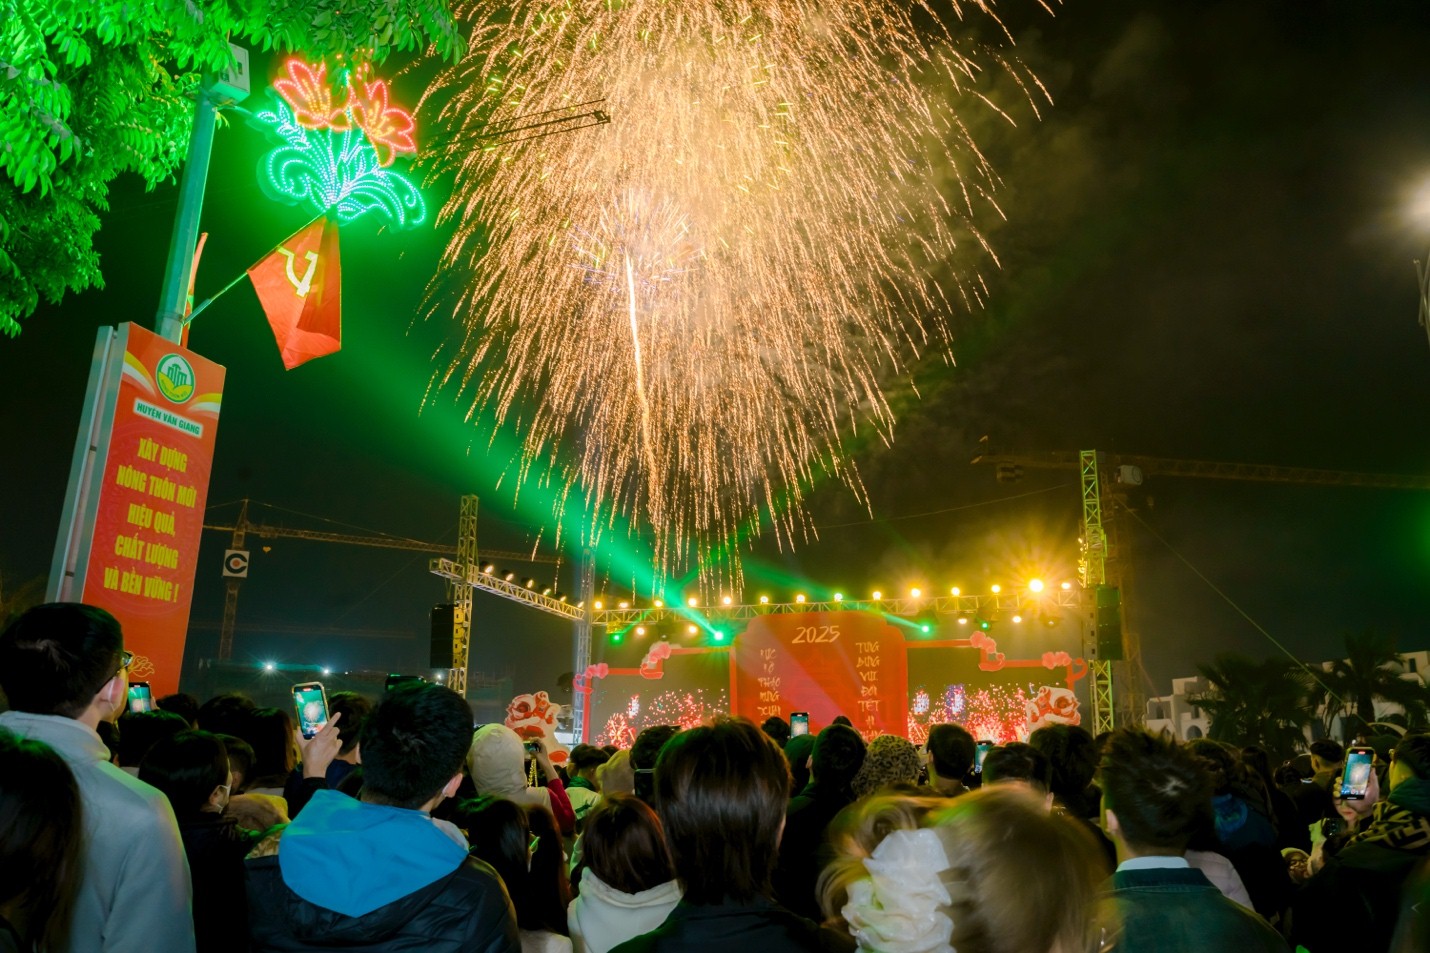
(301, 286)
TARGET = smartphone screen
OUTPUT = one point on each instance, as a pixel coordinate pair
(1356, 779)
(798, 723)
(533, 748)
(311, 703)
(979, 754)
(140, 697)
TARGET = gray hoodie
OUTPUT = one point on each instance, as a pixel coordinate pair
(135, 894)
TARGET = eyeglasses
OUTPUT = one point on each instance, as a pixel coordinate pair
(126, 659)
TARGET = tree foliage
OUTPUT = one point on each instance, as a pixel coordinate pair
(1253, 702)
(1371, 670)
(91, 89)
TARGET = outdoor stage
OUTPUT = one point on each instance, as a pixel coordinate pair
(889, 676)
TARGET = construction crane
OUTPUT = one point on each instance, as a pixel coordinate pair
(1107, 479)
(243, 527)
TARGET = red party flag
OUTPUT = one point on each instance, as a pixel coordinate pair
(300, 287)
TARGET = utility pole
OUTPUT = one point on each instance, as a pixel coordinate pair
(230, 596)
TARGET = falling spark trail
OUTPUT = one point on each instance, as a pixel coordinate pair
(692, 312)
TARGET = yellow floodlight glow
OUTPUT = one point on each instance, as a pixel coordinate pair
(1035, 585)
(963, 620)
(659, 603)
(915, 592)
(640, 630)
(799, 597)
(726, 600)
(996, 588)
(624, 605)
(692, 602)
(955, 591)
(1067, 586)
(878, 595)
(1017, 618)
(839, 597)
(691, 630)
(599, 604)
(764, 600)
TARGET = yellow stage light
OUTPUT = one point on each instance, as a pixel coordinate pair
(878, 595)
(915, 592)
(799, 597)
(1035, 585)
(996, 588)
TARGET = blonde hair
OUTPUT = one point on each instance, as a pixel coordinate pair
(617, 776)
(1020, 879)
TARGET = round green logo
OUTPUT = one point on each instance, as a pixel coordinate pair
(175, 378)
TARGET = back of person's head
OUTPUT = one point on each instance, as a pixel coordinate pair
(842, 720)
(797, 753)
(354, 708)
(270, 732)
(240, 760)
(585, 759)
(1258, 761)
(41, 826)
(55, 658)
(996, 851)
(226, 714)
(951, 751)
(890, 761)
(1158, 791)
(721, 792)
(414, 743)
(1330, 752)
(644, 753)
(182, 704)
(187, 767)
(1218, 761)
(624, 845)
(1412, 753)
(1072, 754)
(778, 729)
(838, 755)
(1017, 761)
(141, 730)
(501, 833)
(617, 776)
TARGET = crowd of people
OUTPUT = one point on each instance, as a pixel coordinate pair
(402, 826)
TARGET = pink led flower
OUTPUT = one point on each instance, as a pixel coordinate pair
(307, 91)
(390, 129)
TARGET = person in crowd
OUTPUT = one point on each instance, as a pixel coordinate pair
(617, 776)
(64, 669)
(1354, 897)
(191, 768)
(836, 758)
(183, 704)
(523, 847)
(378, 873)
(240, 760)
(497, 764)
(141, 730)
(226, 714)
(778, 729)
(1290, 832)
(108, 731)
(990, 872)
(1072, 754)
(1154, 796)
(951, 750)
(842, 720)
(644, 753)
(797, 752)
(583, 790)
(1313, 796)
(1242, 830)
(270, 732)
(890, 763)
(41, 824)
(348, 711)
(721, 791)
(628, 884)
(1018, 763)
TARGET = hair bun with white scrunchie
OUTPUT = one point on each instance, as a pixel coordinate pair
(896, 908)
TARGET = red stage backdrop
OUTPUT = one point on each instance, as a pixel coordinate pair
(825, 663)
(145, 544)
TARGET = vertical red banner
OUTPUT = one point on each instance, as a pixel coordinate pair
(144, 546)
(825, 663)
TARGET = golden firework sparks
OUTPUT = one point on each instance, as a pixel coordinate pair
(693, 308)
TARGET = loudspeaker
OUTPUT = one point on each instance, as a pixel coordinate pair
(1107, 618)
(444, 619)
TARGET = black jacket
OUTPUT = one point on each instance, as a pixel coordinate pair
(804, 847)
(760, 925)
(467, 911)
(215, 848)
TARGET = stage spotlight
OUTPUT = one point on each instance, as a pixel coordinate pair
(530, 583)
(984, 624)
(725, 600)
(659, 603)
(915, 592)
(839, 597)
(269, 667)
(1035, 585)
(327, 671)
(488, 568)
(640, 630)
(878, 595)
(508, 575)
(963, 620)
(692, 602)
(691, 629)
(1017, 619)
(599, 604)
(1067, 586)
(799, 597)
(925, 628)
(623, 605)
(719, 635)
(764, 600)
(996, 588)
(546, 591)
(617, 637)
(955, 591)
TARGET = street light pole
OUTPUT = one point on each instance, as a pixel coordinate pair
(169, 323)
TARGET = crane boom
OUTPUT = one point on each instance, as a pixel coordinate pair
(264, 531)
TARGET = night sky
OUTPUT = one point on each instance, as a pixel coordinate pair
(1208, 256)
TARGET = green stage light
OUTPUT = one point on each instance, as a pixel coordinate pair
(984, 624)
(719, 635)
(925, 628)
(617, 637)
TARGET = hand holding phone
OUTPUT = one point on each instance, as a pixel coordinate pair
(311, 703)
(798, 723)
(980, 753)
(320, 750)
(1356, 779)
(140, 697)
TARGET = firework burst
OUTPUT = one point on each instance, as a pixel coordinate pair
(690, 311)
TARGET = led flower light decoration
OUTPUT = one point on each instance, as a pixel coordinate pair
(338, 147)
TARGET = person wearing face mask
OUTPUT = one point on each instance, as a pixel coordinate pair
(192, 770)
